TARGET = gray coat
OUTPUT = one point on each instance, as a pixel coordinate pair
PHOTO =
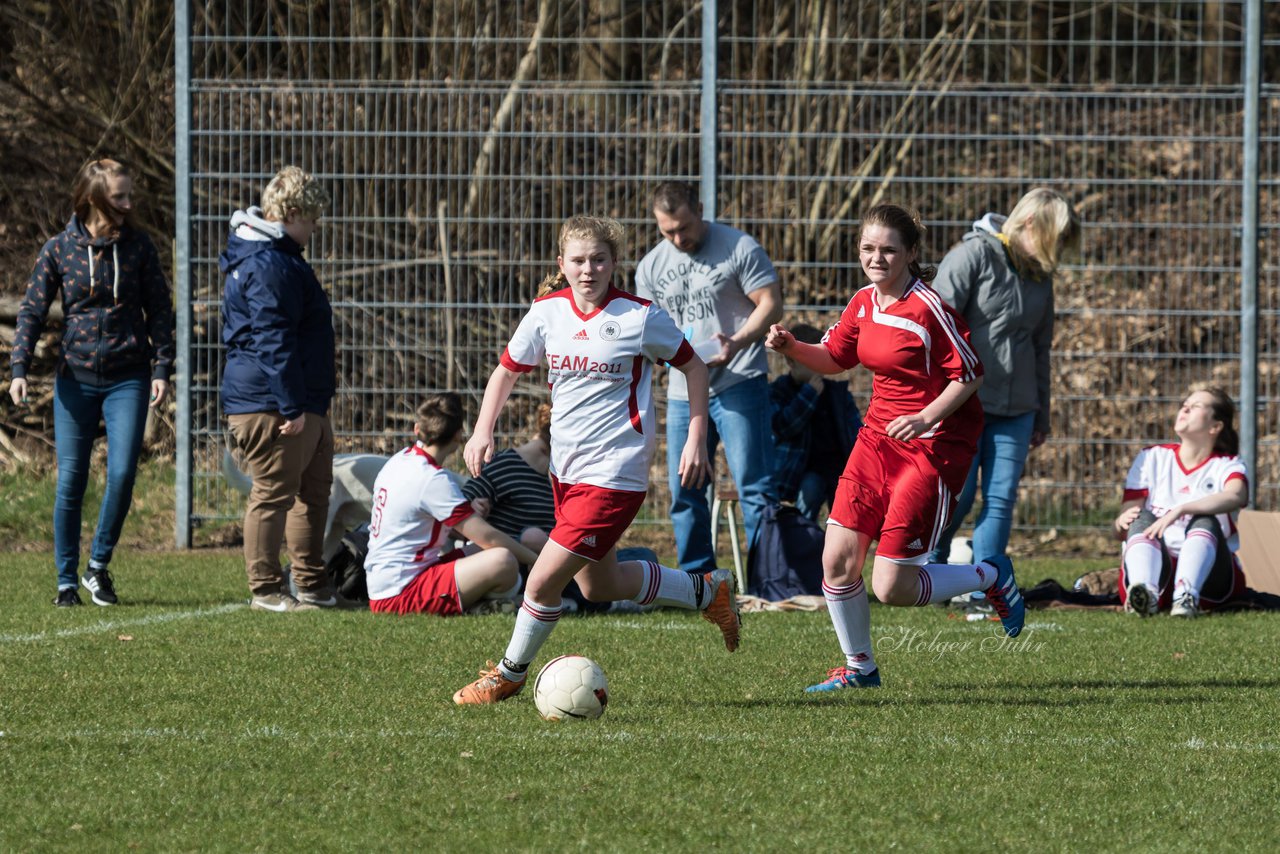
(1010, 319)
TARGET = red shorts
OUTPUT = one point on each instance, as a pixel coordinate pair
(432, 591)
(591, 519)
(893, 492)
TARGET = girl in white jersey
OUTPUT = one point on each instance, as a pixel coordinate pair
(411, 567)
(599, 344)
(1178, 519)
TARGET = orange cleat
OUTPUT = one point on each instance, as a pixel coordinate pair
(723, 610)
(491, 687)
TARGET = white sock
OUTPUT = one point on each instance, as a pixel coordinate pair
(940, 582)
(851, 617)
(534, 624)
(1142, 562)
(1195, 561)
(675, 588)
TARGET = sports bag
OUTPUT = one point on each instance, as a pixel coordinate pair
(786, 560)
(346, 568)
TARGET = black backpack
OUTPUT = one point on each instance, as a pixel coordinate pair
(786, 560)
(346, 568)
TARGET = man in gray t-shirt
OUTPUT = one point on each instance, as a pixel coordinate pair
(719, 286)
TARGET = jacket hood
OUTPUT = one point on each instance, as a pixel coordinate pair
(992, 223)
(252, 234)
(250, 225)
(77, 231)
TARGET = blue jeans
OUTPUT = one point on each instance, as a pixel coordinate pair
(740, 416)
(77, 408)
(812, 495)
(1002, 453)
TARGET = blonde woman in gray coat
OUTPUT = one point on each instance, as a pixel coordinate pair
(1000, 279)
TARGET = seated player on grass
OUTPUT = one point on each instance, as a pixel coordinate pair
(1178, 519)
(411, 567)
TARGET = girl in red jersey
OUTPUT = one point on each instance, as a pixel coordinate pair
(1179, 514)
(599, 344)
(913, 453)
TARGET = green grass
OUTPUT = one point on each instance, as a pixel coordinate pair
(181, 720)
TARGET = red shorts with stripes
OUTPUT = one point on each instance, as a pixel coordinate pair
(432, 591)
(591, 519)
(893, 492)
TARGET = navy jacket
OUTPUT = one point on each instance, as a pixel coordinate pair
(277, 325)
(116, 301)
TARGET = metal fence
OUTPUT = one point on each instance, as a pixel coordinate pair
(456, 135)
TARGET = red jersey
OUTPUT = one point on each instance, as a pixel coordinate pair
(915, 348)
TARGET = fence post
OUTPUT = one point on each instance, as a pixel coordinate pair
(1249, 248)
(710, 109)
(182, 269)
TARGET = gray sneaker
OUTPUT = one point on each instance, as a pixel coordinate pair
(326, 599)
(1185, 606)
(279, 602)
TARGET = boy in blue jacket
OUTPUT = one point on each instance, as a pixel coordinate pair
(277, 384)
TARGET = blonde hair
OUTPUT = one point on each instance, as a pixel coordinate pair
(1041, 226)
(293, 190)
(598, 228)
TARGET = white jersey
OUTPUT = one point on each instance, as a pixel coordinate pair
(600, 372)
(415, 504)
(1159, 479)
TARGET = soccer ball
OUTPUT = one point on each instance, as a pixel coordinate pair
(571, 688)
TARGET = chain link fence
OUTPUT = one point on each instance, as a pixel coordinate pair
(456, 135)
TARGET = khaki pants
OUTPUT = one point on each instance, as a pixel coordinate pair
(289, 500)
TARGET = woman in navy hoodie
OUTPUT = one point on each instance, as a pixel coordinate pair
(117, 353)
(276, 388)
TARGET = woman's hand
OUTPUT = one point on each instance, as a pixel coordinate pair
(159, 392)
(694, 468)
(482, 507)
(293, 427)
(778, 338)
(18, 391)
(908, 427)
(477, 452)
(1157, 528)
(1124, 520)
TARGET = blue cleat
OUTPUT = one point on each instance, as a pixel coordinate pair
(843, 677)
(1006, 598)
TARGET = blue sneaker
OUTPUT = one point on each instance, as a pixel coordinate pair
(1005, 596)
(843, 677)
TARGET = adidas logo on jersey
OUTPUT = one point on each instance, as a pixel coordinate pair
(916, 544)
(582, 335)
(589, 541)
(862, 311)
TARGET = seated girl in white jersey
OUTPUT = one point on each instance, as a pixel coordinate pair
(1178, 519)
(600, 345)
(411, 566)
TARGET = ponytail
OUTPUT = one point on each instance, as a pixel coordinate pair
(553, 282)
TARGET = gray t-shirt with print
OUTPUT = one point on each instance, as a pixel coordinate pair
(706, 293)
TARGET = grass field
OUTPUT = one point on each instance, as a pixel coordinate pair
(180, 720)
